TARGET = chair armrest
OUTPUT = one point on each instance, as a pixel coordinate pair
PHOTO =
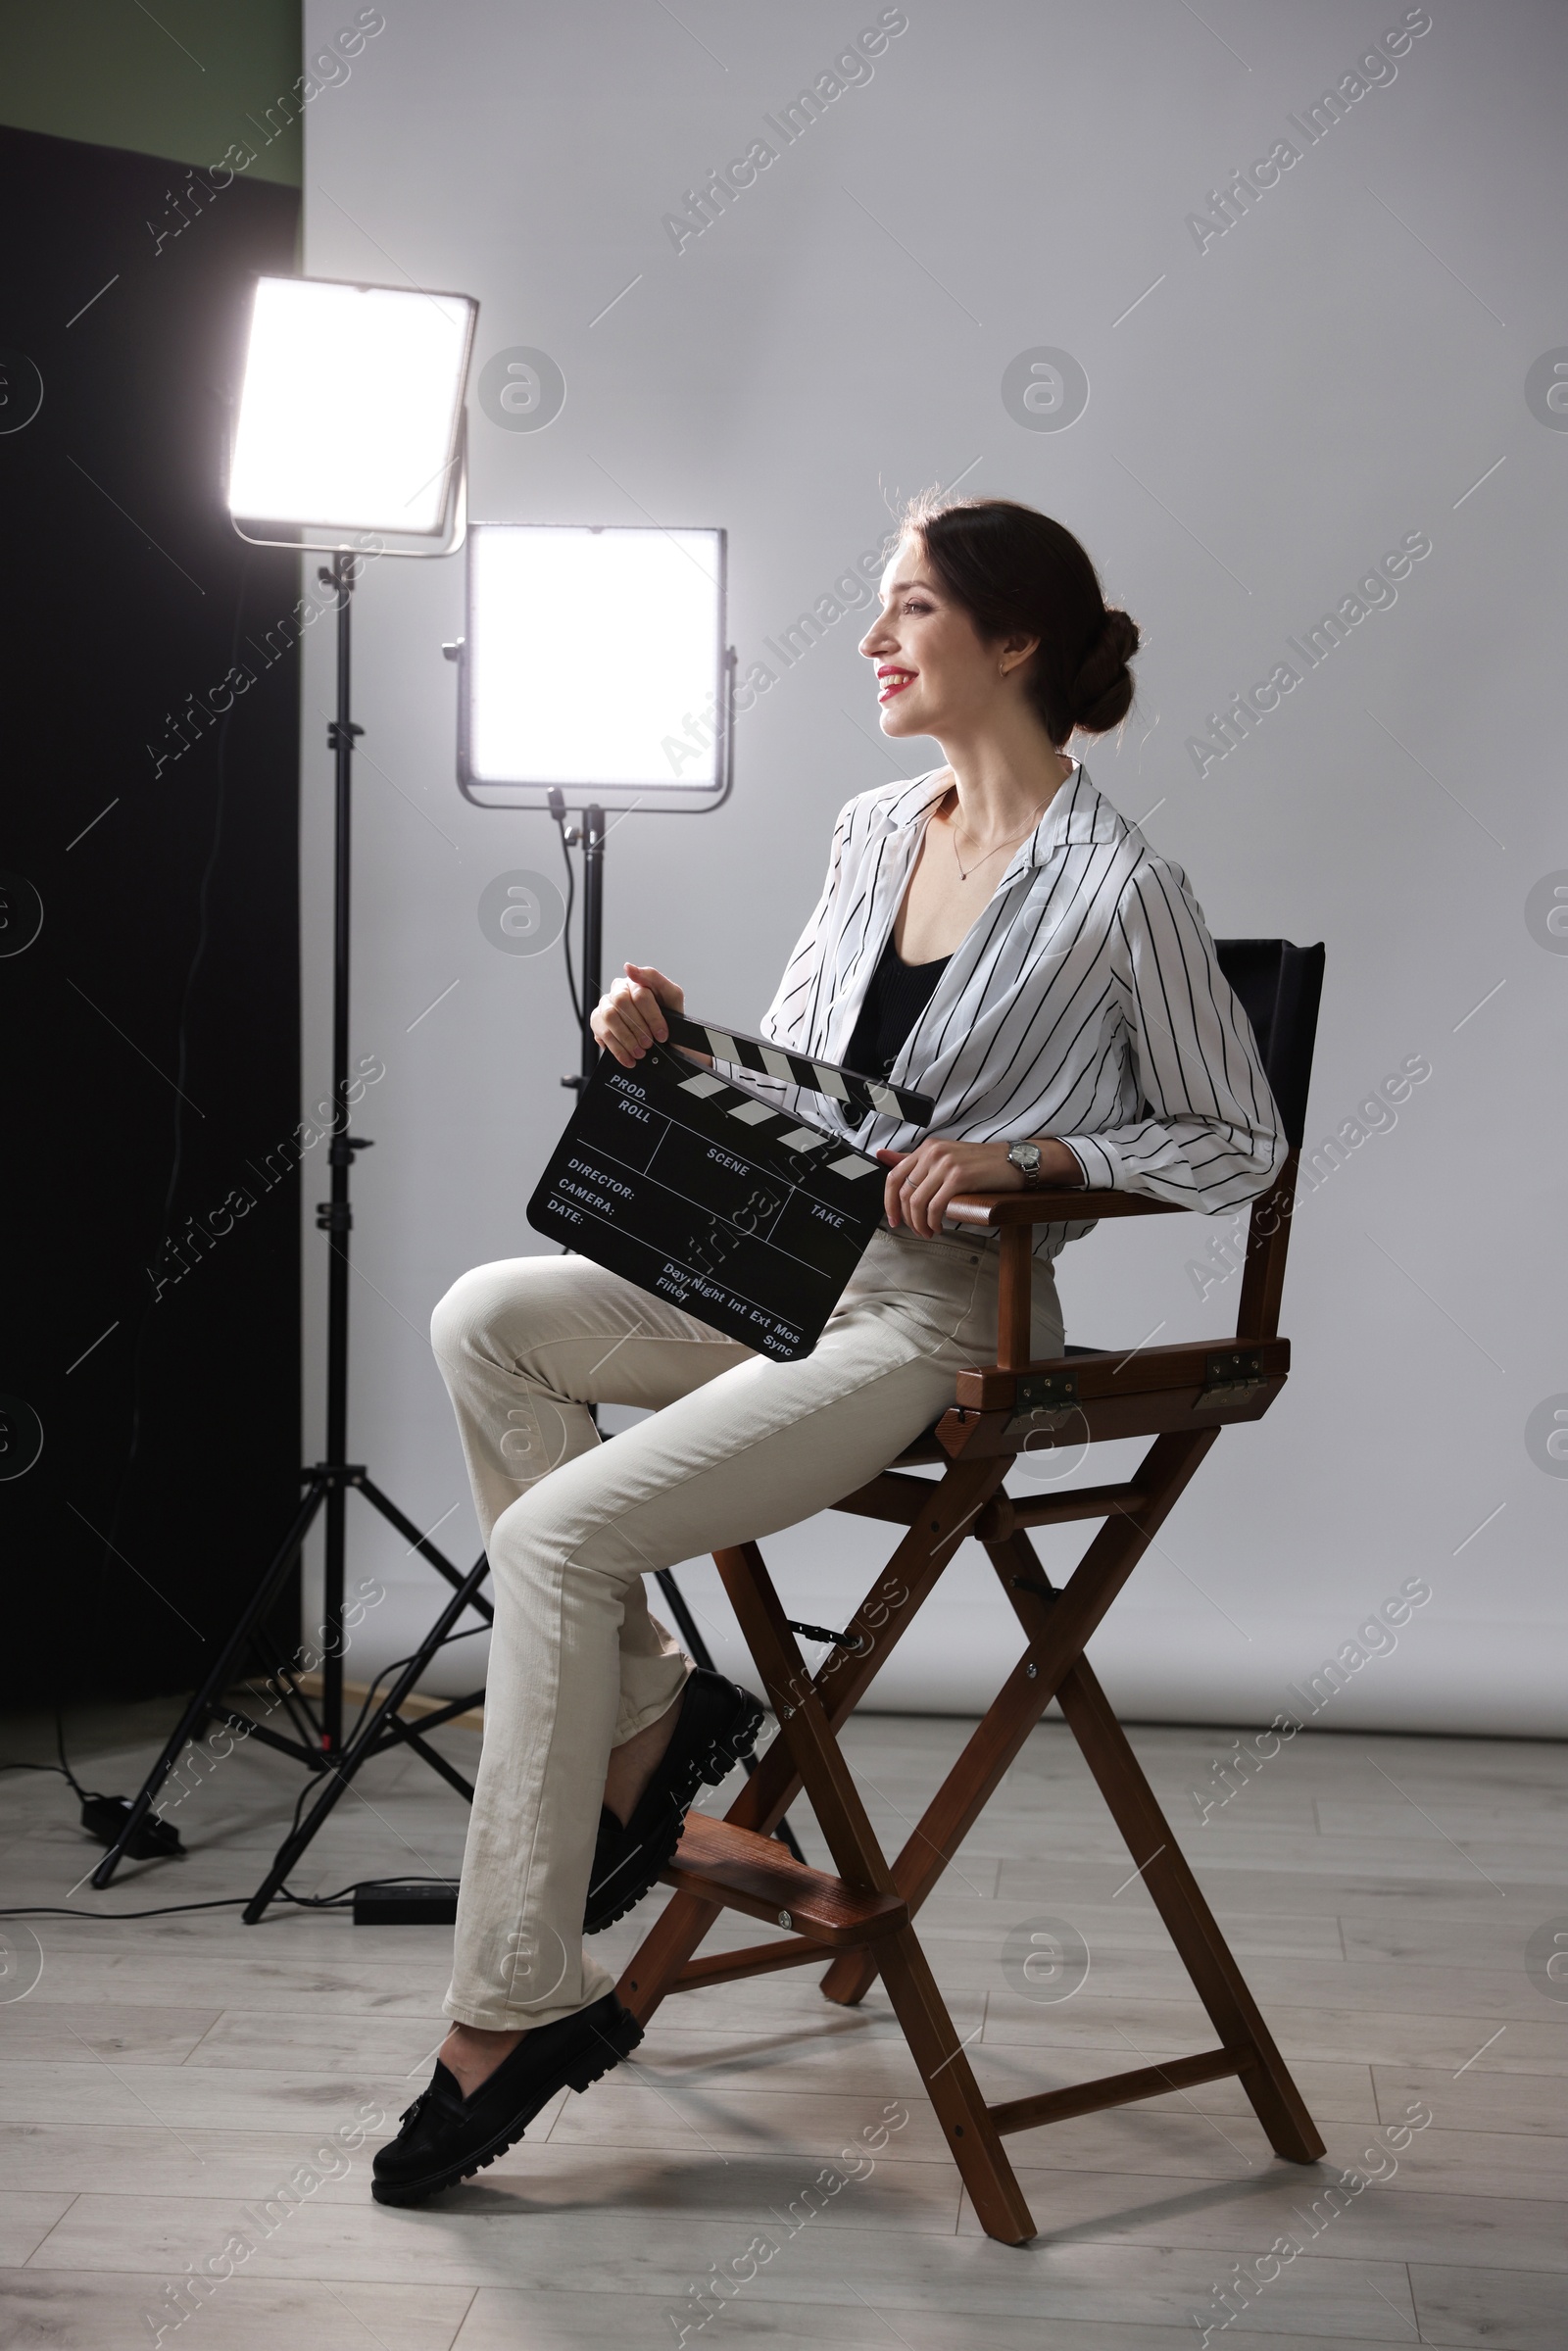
(997, 1208)
(1012, 1213)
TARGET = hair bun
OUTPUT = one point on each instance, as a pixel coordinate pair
(1102, 692)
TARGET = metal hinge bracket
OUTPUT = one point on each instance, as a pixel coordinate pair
(1230, 1378)
(1042, 1400)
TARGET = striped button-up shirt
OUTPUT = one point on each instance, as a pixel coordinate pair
(1086, 1002)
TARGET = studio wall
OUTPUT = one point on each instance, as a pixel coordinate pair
(1267, 306)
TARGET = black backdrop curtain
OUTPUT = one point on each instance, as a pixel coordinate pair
(149, 988)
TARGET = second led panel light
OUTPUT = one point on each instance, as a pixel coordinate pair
(594, 664)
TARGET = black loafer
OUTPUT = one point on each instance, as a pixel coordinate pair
(447, 2138)
(716, 1729)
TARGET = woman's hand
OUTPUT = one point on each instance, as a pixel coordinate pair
(630, 1016)
(920, 1183)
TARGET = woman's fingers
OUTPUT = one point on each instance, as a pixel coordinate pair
(922, 1195)
(630, 1016)
(921, 1183)
(666, 991)
(913, 1179)
(909, 1186)
(897, 1164)
(642, 1013)
(614, 1043)
(932, 1176)
(627, 1019)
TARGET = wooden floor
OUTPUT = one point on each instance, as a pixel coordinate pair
(164, 2080)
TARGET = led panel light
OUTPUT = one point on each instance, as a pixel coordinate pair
(351, 413)
(595, 665)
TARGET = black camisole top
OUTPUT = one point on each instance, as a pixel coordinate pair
(894, 1001)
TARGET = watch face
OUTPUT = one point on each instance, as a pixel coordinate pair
(1025, 1156)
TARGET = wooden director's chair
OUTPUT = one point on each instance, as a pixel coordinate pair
(860, 1920)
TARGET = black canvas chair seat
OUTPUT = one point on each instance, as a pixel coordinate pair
(860, 1920)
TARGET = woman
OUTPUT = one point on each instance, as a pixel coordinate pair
(994, 934)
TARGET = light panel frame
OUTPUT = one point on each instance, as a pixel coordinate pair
(349, 536)
(677, 792)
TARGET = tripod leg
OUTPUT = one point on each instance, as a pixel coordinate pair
(422, 1545)
(346, 1762)
(340, 1770)
(217, 1679)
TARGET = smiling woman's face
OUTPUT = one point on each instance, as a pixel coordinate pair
(932, 671)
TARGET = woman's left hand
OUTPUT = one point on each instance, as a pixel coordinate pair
(920, 1183)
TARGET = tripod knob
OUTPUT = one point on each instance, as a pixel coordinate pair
(342, 1147)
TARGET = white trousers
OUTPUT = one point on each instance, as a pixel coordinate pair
(737, 1446)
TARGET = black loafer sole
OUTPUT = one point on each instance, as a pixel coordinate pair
(576, 2069)
(654, 1831)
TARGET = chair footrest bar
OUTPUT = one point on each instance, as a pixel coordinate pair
(722, 1863)
(757, 1959)
(1116, 2090)
(1005, 1513)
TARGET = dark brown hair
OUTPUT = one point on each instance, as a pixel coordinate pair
(1016, 572)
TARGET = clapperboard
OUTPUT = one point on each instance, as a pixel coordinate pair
(703, 1191)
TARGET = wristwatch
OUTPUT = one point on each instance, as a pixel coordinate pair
(1025, 1156)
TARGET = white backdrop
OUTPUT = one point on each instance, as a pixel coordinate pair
(1284, 386)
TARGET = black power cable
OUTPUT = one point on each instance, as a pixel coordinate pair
(104, 1817)
(338, 1902)
(397, 1665)
(557, 810)
(59, 1747)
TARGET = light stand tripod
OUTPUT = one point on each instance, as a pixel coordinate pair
(318, 1742)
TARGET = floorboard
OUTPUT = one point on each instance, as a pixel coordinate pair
(161, 2076)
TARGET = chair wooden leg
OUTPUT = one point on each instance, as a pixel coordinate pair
(1060, 1627)
(972, 2138)
(878, 1900)
(805, 1732)
(883, 1616)
(885, 1613)
(1189, 1921)
(1161, 1861)
(663, 1952)
(949, 1816)
(974, 1779)
(831, 1788)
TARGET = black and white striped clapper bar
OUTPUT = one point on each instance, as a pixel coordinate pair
(703, 1191)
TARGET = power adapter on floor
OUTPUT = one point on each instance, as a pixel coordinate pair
(406, 1906)
(104, 1818)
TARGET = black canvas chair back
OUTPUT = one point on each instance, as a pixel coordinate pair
(1279, 986)
(860, 1918)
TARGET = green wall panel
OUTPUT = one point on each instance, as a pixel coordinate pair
(185, 79)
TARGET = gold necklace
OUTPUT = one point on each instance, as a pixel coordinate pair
(965, 871)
